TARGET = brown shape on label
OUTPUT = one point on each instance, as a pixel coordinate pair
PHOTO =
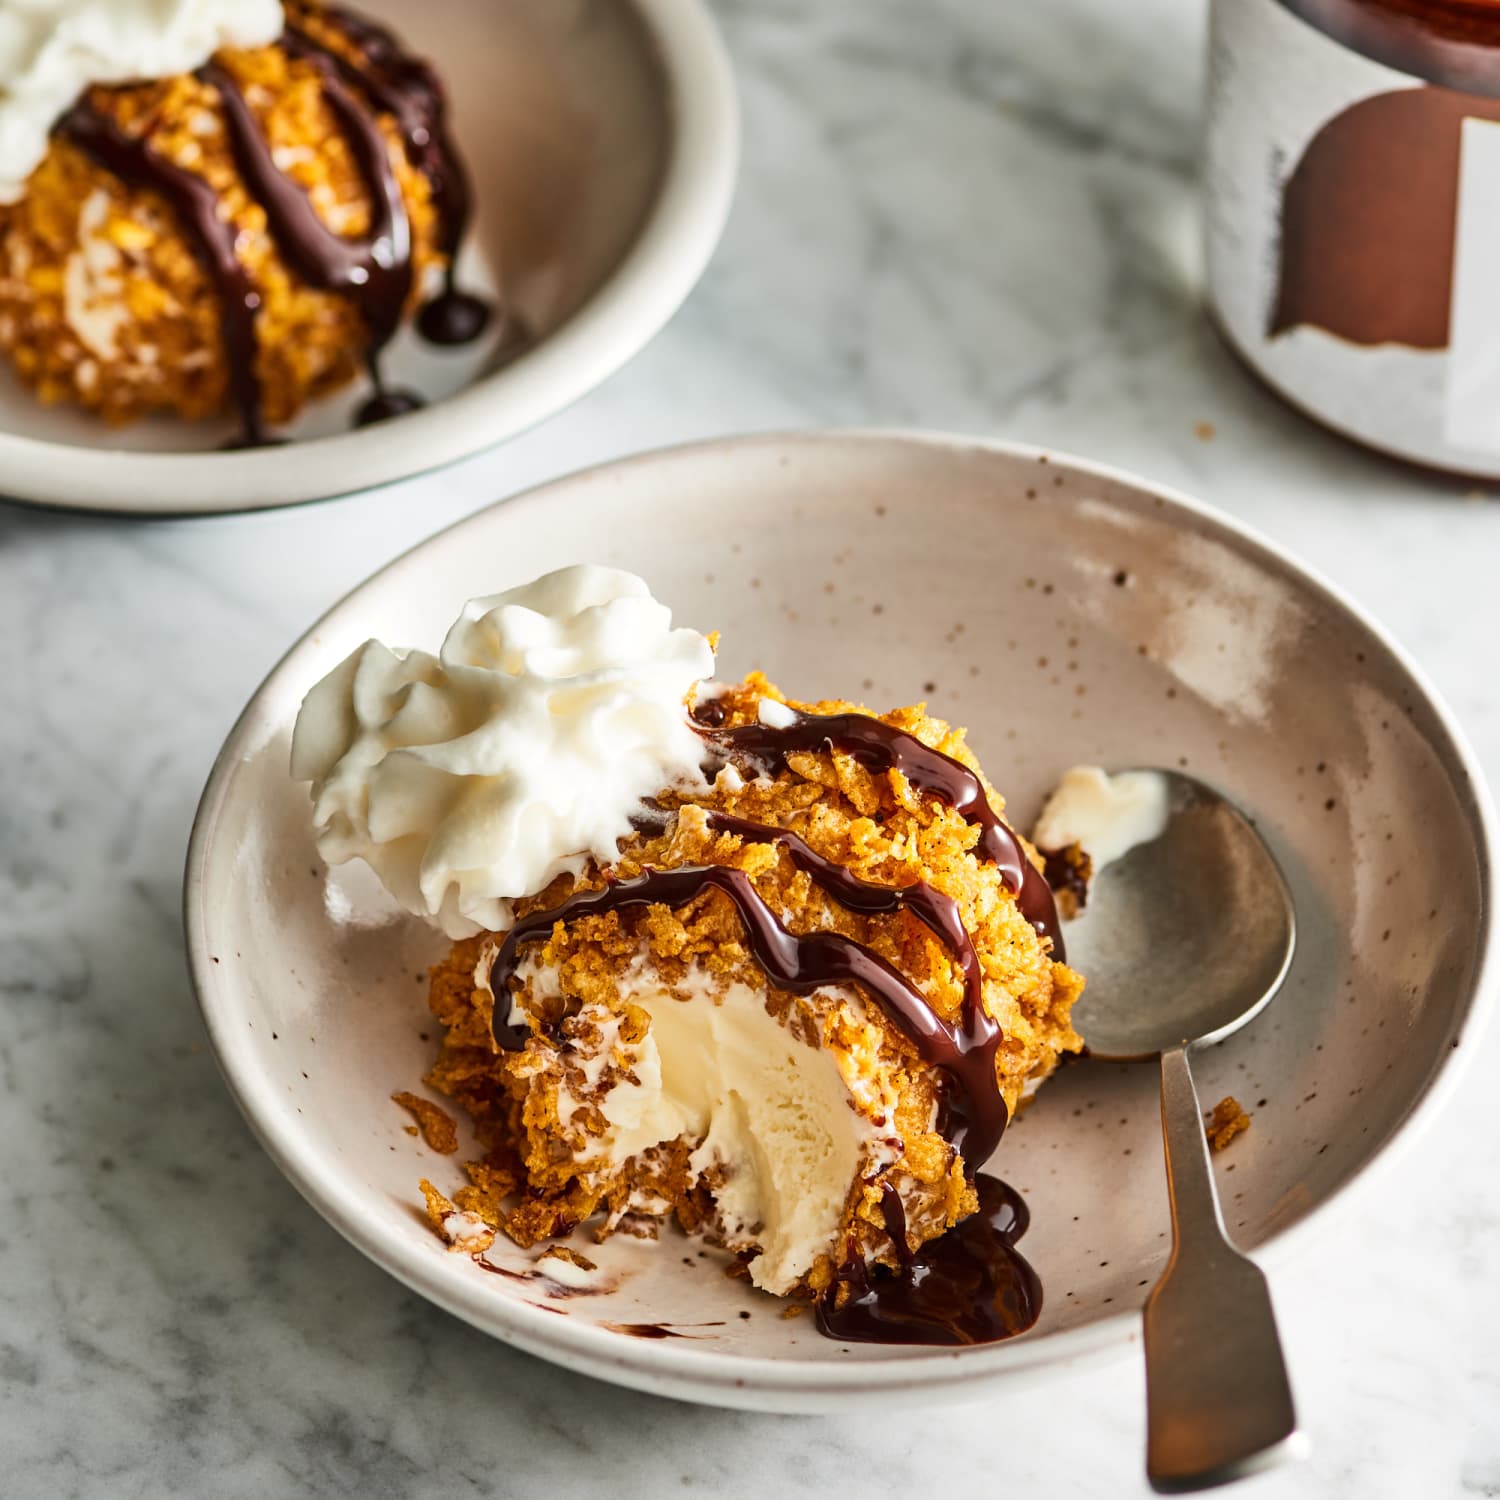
(1369, 217)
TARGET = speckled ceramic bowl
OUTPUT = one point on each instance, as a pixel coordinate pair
(1065, 613)
(602, 137)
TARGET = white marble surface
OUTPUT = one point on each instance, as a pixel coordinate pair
(958, 214)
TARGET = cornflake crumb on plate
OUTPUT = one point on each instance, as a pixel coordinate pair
(570, 1270)
(458, 1228)
(438, 1127)
(1225, 1122)
(573, 1257)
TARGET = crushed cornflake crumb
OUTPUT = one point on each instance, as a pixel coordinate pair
(1069, 872)
(438, 1127)
(1226, 1121)
(573, 1257)
(459, 1230)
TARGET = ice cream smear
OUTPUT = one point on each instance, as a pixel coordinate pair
(473, 778)
(780, 1134)
(1106, 815)
(52, 50)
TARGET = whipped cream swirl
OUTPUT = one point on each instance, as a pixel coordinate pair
(470, 779)
(52, 50)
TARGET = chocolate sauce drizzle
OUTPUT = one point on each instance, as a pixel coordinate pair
(196, 205)
(373, 270)
(937, 912)
(968, 1286)
(407, 88)
(801, 963)
(879, 747)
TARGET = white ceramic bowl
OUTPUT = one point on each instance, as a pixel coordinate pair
(602, 137)
(1064, 612)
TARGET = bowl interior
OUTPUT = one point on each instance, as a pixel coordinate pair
(560, 109)
(1064, 615)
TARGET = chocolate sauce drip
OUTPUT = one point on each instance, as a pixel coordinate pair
(968, 1286)
(409, 89)
(384, 404)
(710, 712)
(937, 912)
(659, 1330)
(537, 1275)
(1068, 872)
(373, 270)
(196, 205)
(879, 746)
(801, 963)
(894, 1213)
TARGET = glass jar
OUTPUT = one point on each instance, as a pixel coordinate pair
(1352, 184)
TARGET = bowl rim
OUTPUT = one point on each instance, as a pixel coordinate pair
(662, 264)
(818, 1384)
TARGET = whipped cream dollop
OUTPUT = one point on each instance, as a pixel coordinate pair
(470, 779)
(52, 50)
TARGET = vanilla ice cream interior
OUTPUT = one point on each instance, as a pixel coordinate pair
(776, 1131)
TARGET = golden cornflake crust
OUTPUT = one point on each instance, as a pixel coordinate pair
(459, 1229)
(158, 344)
(537, 1111)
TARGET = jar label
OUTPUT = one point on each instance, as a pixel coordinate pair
(1353, 231)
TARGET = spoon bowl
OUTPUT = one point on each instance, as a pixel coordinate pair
(1186, 938)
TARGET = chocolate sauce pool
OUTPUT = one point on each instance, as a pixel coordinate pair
(373, 270)
(970, 1285)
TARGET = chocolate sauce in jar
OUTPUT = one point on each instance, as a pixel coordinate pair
(878, 747)
(1352, 178)
(968, 1286)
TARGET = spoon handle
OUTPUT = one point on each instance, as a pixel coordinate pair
(1218, 1402)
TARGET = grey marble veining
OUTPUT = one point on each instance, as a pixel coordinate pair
(954, 214)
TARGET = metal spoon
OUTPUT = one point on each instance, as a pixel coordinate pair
(1185, 940)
